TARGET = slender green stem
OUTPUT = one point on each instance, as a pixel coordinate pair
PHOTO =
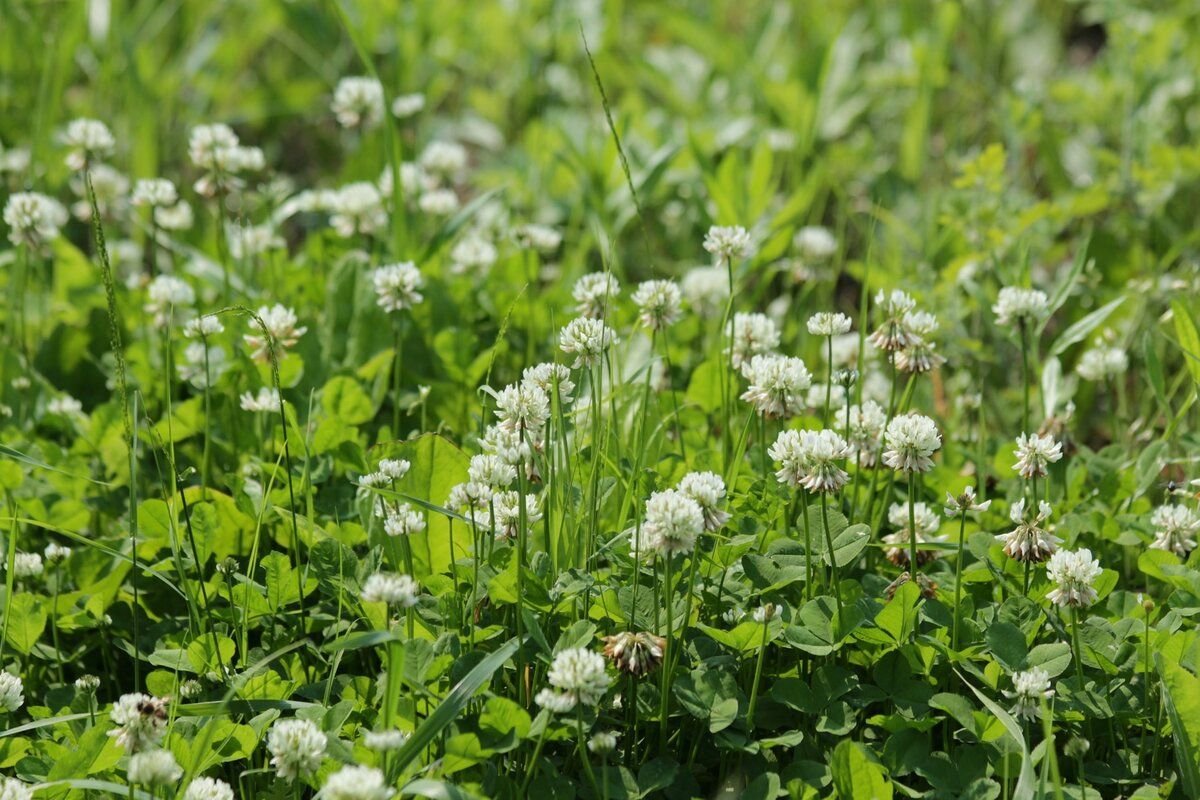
(758, 668)
(958, 565)
(833, 566)
(1025, 415)
(665, 698)
(913, 563)
(1078, 646)
(808, 570)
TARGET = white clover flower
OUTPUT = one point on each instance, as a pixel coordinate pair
(355, 782)
(357, 208)
(815, 243)
(1034, 453)
(823, 450)
(635, 653)
(1030, 541)
(660, 304)
(164, 295)
(491, 471)
(153, 768)
(202, 365)
(64, 406)
(27, 565)
(297, 748)
(1030, 688)
(595, 293)
(395, 590)
(472, 254)
(751, 335)
(202, 326)
(866, 431)
(728, 243)
(602, 742)
(910, 441)
(386, 740)
(541, 238)
(777, 385)
(555, 702)
(247, 241)
(12, 691)
(404, 521)
(280, 322)
(13, 789)
(265, 402)
(505, 510)
(1102, 363)
(964, 503)
(522, 408)
(927, 523)
(1015, 304)
(398, 286)
(672, 522)
(920, 354)
(88, 140)
(190, 688)
(445, 159)
(546, 376)
(175, 218)
(706, 290)
(358, 102)
(209, 145)
(438, 202)
(14, 160)
(56, 553)
(33, 219)
(208, 789)
(765, 613)
(394, 468)
(88, 684)
(141, 721)
(408, 105)
(586, 339)
(1176, 527)
(1074, 573)
(579, 673)
(892, 333)
(826, 323)
(708, 490)
(154, 192)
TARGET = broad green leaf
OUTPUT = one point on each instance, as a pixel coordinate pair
(1189, 338)
(24, 621)
(856, 776)
(1181, 697)
(1079, 331)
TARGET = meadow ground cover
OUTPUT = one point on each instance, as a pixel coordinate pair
(614, 400)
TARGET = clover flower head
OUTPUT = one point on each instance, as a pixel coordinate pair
(358, 102)
(280, 323)
(297, 747)
(586, 339)
(208, 789)
(815, 243)
(750, 335)
(355, 782)
(398, 286)
(964, 503)
(660, 304)
(87, 139)
(777, 385)
(708, 490)
(826, 323)
(1073, 572)
(672, 522)
(1030, 541)
(910, 440)
(1019, 305)
(728, 243)
(595, 293)
(394, 590)
(1034, 453)
(141, 721)
(1030, 688)
(1175, 529)
(12, 691)
(153, 768)
(580, 673)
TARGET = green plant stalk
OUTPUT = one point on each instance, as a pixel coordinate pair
(206, 457)
(531, 768)
(522, 538)
(1078, 647)
(913, 564)
(583, 757)
(1025, 413)
(54, 623)
(829, 384)
(665, 699)
(808, 570)
(674, 397)
(833, 566)
(397, 377)
(728, 378)
(958, 565)
(758, 668)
